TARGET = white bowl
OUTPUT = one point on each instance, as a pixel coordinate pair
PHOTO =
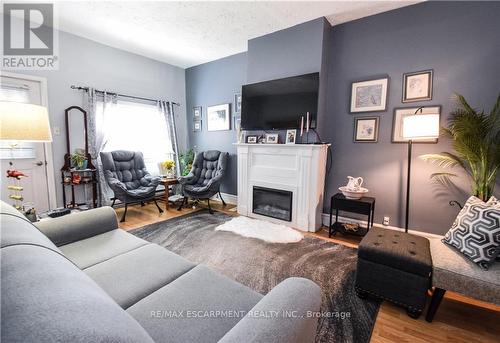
(351, 194)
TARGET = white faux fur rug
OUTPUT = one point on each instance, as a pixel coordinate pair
(266, 231)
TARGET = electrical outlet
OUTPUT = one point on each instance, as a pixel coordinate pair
(56, 130)
(386, 221)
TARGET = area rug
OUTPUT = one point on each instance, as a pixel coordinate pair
(260, 229)
(261, 266)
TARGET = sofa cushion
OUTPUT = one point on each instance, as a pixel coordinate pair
(476, 231)
(45, 298)
(90, 251)
(120, 278)
(200, 289)
(455, 272)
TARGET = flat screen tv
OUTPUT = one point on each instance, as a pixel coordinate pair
(280, 104)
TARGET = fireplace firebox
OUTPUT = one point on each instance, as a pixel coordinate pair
(274, 203)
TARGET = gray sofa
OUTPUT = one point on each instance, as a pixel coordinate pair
(80, 278)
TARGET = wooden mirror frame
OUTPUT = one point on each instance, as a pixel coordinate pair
(67, 156)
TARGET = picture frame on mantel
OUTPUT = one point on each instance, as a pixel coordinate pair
(369, 95)
(397, 123)
(417, 86)
(218, 118)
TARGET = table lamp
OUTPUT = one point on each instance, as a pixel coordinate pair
(417, 127)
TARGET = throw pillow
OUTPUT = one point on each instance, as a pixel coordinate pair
(476, 231)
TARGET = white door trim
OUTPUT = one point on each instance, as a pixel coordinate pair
(49, 167)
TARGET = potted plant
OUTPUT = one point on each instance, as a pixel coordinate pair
(168, 168)
(475, 138)
(78, 160)
(186, 160)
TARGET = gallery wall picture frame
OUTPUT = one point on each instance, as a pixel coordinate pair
(291, 136)
(272, 138)
(197, 113)
(237, 103)
(366, 129)
(252, 139)
(369, 95)
(197, 126)
(397, 122)
(218, 118)
(417, 86)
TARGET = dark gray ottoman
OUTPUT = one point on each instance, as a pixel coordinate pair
(395, 266)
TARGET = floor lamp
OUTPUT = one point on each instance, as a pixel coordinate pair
(417, 127)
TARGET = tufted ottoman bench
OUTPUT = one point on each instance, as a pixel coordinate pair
(394, 266)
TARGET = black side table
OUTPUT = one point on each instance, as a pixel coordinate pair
(338, 202)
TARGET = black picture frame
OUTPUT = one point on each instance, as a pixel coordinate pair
(250, 139)
(427, 96)
(197, 113)
(384, 80)
(356, 138)
(197, 126)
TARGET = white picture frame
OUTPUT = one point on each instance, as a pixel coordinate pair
(272, 138)
(369, 96)
(218, 118)
(401, 113)
(417, 86)
(291, 136)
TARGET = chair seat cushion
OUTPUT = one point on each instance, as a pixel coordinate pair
(455, 272)
(141, 192)
(120, 278)
(90, 251)
(180, 311)
(399, 250)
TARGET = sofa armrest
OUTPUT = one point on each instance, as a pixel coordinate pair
(283, 315)
(77, 226)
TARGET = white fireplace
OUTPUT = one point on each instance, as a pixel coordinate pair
(289, 177)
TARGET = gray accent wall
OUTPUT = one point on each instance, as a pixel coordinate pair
(460, 42)
(87, 63)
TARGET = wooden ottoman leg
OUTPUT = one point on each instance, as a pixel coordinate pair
(437, 297)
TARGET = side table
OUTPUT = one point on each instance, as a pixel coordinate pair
(365, 206)
(166, 183)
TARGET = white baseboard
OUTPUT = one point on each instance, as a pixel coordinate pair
(228, 198)
(326, 222)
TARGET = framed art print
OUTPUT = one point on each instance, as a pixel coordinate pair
(197, 113)
(197, 126)
(366, 129)
(369, 96)
(272, 138)
(417, 86)
(252, 139)
(218, 118)
(237, 103)
(397, 124)
(291, 136)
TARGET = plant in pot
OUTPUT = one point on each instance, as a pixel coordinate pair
(79, 160)
(475, 138)
(168, 168)
(186, 160)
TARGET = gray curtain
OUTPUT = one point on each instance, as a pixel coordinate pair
(97, 137)
(167, 109)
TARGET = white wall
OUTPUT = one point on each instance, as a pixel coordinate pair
(87, 63)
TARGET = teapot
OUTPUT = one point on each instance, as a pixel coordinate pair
(354, 183)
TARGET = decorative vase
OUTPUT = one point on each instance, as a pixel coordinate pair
(170, 174)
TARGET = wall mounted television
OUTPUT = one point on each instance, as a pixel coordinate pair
(280, 104)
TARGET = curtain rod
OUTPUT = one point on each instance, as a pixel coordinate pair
(86, 89)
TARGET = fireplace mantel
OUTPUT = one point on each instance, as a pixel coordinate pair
(297, 168)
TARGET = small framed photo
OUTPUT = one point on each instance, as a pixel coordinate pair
(369, 96)
(218, 118)
(417, 86)
(197, 113)
(366, 129)
(272, 138)
(252, 139)
(237, 123)
(397, 123)
(291, 136)
(237, 103)
(197, 126)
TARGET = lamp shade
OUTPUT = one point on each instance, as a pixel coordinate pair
(24, 122)
(421, 126)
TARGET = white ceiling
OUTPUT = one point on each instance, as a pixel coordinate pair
(186, 33)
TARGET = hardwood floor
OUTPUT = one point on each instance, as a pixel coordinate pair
(459, 319)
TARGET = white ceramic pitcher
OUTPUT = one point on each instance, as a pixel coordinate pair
(354, 183)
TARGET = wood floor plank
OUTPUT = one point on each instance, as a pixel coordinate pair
(459, 319)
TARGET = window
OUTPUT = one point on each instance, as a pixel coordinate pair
(137, 127)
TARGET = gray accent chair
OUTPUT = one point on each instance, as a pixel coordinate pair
(126, 175)
(79, 278)
(205, 177)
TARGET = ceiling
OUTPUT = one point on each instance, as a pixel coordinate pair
(186, 33)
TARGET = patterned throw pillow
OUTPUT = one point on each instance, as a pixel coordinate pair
(476, 231)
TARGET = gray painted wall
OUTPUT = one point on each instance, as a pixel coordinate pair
(460, 42)
(85, 62)
(209, 84)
